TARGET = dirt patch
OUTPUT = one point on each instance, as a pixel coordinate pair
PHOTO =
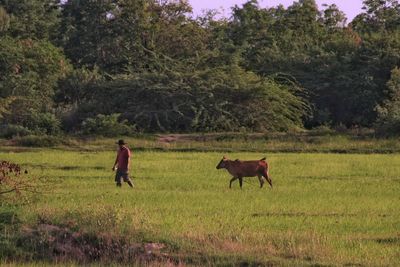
(61, 244)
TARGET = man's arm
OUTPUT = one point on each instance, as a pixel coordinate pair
(115, 163)
(129, 163)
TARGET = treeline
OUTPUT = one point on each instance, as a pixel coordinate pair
(114, 67)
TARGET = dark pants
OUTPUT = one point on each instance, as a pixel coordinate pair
(122, 174)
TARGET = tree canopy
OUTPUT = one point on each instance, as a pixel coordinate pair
(151, 66)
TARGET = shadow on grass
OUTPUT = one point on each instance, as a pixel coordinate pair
(207, 260)
(64, 168)
(304, 214)
(389, 241)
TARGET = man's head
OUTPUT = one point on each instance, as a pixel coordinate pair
(121, 143)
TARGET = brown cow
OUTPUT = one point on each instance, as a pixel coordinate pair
(240, 169)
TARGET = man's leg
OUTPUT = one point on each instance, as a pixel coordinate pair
(127, 179)
(118, 177)
(130, 183)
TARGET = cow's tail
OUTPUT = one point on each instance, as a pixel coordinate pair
(265, 172)
(267, 176)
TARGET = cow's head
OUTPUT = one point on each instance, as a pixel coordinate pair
(222, 163)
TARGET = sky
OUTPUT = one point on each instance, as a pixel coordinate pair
(350, 7)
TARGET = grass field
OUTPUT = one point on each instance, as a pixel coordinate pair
(324, 209)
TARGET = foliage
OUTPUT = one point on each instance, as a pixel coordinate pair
(71, 89)
(211, 100)
(5, 104)
(12, 130)
(30, 71)
(4, 20)
(106, 125)
(305, 66)
(44, 123)
(388, 122)
(31, 19)
(38, 141)
(124, 35)
(344, 71)
(11, 179)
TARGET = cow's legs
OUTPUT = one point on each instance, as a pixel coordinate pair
(230, 183)
(240, 182)
(260, 178)
(266, 175)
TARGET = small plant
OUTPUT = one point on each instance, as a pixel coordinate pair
(15, 182)
(11, 179)
(44, 123)
(106, 125)
(11, 130)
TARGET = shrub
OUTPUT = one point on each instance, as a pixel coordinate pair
(12, 130)
(388, 123)
(44, 123)
(106, 125)
(38, 141)
(218, 99)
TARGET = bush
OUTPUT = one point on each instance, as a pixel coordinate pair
(44, 123)
(38, 141)
(106, 125)
(388, 124)
(214, 100)
(11, 130)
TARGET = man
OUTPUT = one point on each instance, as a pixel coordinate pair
(123, 161)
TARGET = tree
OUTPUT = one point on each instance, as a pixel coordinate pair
(218, 99)
(4, 20)
(334, 18)
(35, 19)
(129, 35)
(388, 122)
(381, 15)
(30, 72)
(343, 70)
(4, 105)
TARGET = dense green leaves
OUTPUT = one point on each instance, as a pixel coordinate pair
(106, 125)
(30, 72)
(226, 99)
(160, 69)
(4, 20)
(344, 71)
(389, 112)
(36, 19)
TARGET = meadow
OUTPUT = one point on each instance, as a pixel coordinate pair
(324, 209)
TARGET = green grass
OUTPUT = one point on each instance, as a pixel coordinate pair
(297, 142)
(328, 209)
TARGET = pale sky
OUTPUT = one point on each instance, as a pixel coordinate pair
(350, 7)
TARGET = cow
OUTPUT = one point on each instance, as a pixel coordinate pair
(239, 169)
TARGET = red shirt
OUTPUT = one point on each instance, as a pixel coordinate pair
(122, 158)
